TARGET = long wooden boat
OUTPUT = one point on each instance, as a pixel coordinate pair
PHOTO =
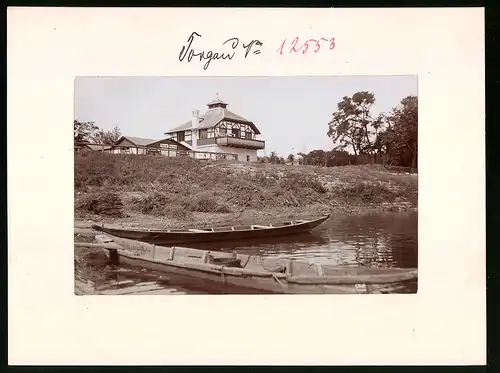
(255, 273)
(214, 234)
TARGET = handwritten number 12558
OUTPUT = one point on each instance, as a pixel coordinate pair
(295, 46)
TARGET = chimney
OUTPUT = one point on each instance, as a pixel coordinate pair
(195, 121)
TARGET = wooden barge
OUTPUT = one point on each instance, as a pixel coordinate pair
(168, 237)
(277, 276)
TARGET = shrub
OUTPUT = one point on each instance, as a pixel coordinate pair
(153, 203)
(206, 203)
(298, 181)
(366, 192)
(101, 203)
(160, 204)
(177, 212)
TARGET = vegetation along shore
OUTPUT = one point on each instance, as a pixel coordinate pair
(180, 191)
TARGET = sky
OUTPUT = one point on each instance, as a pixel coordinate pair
(292, 113)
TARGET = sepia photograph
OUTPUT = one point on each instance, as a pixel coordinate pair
(297, 169)
(246, 185)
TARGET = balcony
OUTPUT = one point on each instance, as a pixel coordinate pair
(237, 142)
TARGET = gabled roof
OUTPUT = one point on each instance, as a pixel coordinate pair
(136, 140)
(213, 117)
(172, 142)
(99, 147)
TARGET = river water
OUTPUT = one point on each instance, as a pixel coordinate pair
(376, 239)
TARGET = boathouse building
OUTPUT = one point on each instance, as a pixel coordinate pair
(219, 130)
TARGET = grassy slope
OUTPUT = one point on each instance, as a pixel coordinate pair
(173, 191)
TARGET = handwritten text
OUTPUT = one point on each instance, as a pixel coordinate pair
(230, 44)
(310, 45)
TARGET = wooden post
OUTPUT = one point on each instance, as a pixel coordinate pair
(114, 258)
(172, 253)
(289, 271)
(206, 256)
(154, 250)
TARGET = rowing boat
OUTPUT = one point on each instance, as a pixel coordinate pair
(214, 234)
(257, 273)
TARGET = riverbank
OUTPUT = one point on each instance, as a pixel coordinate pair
(160, 192)
(175, 192)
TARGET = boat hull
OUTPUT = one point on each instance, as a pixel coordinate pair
(166, 238)
(262, 284)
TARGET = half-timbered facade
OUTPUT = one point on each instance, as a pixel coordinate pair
(219, 130)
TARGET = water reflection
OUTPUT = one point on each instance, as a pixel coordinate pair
(132, 281)
(303, 239)
(383, 239)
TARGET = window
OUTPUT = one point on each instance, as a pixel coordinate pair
(248, 158)
(203, 134)
(222, 132)
(152, 151)
(180, 136)
(248, 135)
(235, 132)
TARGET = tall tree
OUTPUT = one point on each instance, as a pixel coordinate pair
(273, 157)
(338, 158)
(302, 159)
(353, 124)
(315, 157)
(400, 139)
(107, 137)
(84, 131)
